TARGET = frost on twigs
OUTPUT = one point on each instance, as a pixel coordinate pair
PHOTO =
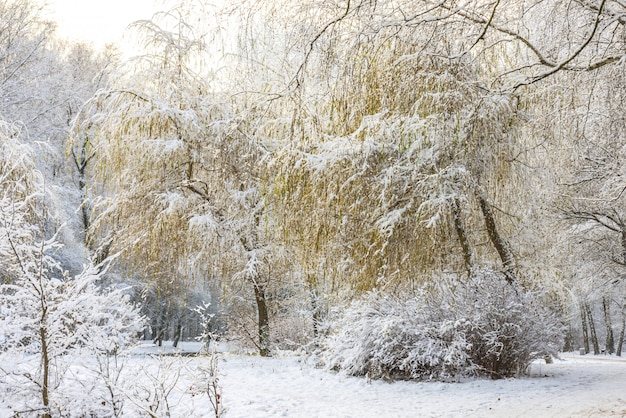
(49, 322)
(482, 327)
(48, 319)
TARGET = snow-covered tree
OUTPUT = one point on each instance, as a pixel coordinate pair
(411, 136)
(374, 143)
(591, 198)
(402, 153)
(44, 82)
(23, 58)
(177, 175)
(44, 313)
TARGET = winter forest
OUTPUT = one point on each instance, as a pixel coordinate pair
(398, 190)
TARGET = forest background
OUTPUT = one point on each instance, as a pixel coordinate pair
(275, 162)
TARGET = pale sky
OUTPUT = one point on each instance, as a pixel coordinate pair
(99, 21)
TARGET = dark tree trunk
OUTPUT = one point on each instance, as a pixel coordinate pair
(154, 330)
(462, 235)
(610, 342)
(81, 161)
(592, 330)
(620, 341)
(178, 333)
(501, 246)
(250, 243)
(45, 355)
(583, 317)
(316, 309)
(263, 319)
(45, 360)
(161, 328)
(317, 314)
(159, 338)
(83, 206)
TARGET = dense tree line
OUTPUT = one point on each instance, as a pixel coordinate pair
(323, 150)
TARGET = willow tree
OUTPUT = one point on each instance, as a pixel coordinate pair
(174, 177)
(399, 155)
(422, 128)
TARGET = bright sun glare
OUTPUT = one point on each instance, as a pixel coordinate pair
(99, 22)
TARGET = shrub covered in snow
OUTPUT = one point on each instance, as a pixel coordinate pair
(48, 323)
(48, 319)
(484, 326)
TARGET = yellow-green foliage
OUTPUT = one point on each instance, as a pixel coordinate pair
(364, 200)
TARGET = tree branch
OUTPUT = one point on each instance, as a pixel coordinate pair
(311, 44)
(572, 57)
(600, 218)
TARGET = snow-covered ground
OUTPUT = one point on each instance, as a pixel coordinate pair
(291, 386)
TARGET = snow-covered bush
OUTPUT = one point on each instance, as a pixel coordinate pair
(47, 321)
(47, 318)
(45, 315)
(510, 327)
(484, 326)
(384, 337)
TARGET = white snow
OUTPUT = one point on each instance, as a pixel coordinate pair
(291, 386)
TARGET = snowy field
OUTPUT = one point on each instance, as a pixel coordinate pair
(291, 386)
(288, 387)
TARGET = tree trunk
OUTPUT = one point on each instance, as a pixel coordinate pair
(583, 317)
(81, 166)
(461, 234)
(83, 205)
(159, 338)
(592, 330)
(568, 343)
(45, 353)
(317, 314)
(154, 330)
(316, 309)
(178, 333)
(161, 326)
(620, 340)
(45, 360)
(250, 243)
(501, 246)
(610, 343)
(263, 319)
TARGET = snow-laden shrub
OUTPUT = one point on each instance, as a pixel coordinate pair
(385, 337)
(484, 326)
(510, 327)
(48, 321)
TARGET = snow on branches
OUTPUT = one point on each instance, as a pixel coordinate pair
(44, 313)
